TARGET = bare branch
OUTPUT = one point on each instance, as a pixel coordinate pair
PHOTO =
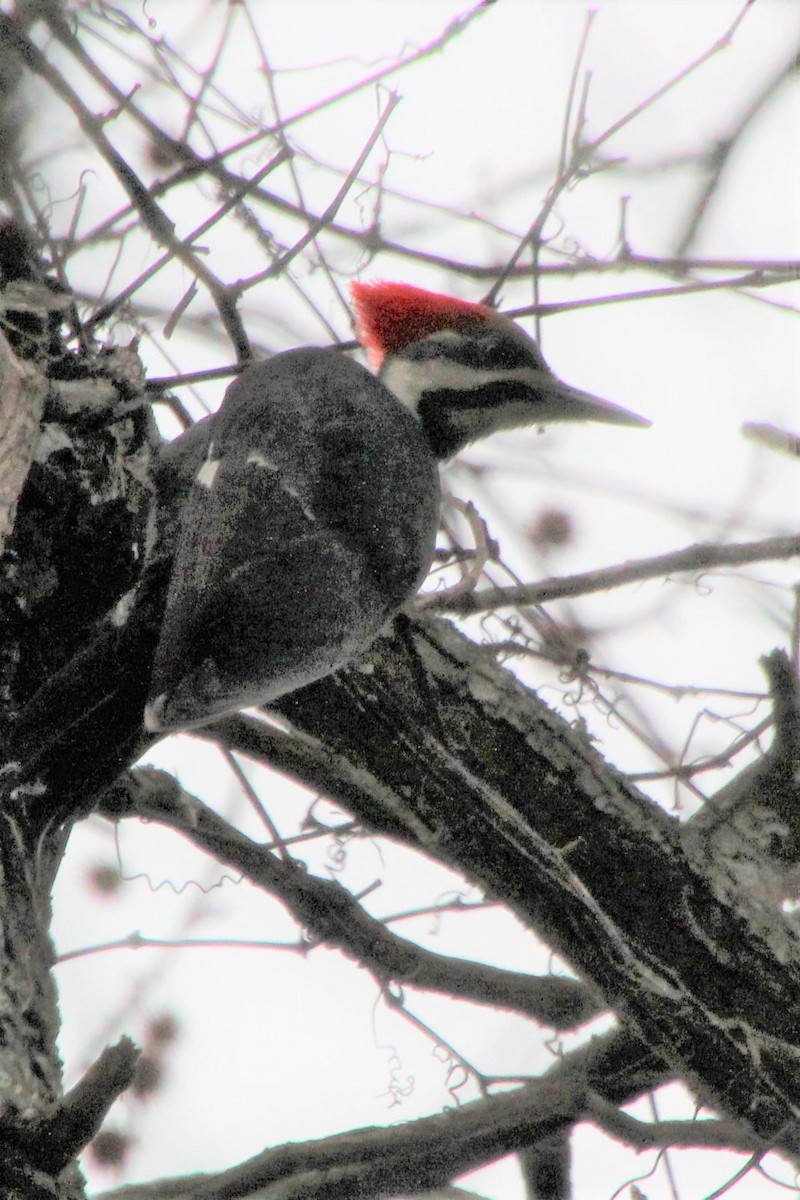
(643, 1135)
(374, 1163)
(698, 558)
(334, 917)
(748, 833)
(65, 1130)
(726, 147)
(152, 215)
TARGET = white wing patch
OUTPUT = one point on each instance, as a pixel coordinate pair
(207, 474)
(293, 492)
(154, 714)
(260, 460)
(122, 609)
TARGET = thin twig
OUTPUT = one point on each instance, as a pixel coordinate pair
(700, 557)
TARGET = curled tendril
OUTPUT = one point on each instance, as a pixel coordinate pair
(457, 1078)
(176, 888)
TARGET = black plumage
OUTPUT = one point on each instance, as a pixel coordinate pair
(310, 521)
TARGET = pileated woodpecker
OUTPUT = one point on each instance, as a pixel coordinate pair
(308, 505)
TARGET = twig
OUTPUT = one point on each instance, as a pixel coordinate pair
(152, 215)
(55, 1137)
(644, 1135)
(726, 146)
(701, 557)
(334, 917)
(321, 222)
(773, 437)
(246, 185)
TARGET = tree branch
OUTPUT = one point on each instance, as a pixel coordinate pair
(748, 833)
(645, 1135)
(698, 558)
(334, 917)
(486, 778)
(377, 1163)
(53, 1138)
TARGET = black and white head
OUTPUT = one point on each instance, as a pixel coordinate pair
(465, 370)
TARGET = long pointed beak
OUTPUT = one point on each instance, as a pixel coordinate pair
(566, 403)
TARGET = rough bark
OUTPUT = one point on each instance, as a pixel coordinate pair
(459, 759)
(74, 475)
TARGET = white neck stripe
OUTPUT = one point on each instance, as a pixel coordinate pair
(409, 379)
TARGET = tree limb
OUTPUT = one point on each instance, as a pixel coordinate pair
(377, 1163)
(334, 917)
(703, 556)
